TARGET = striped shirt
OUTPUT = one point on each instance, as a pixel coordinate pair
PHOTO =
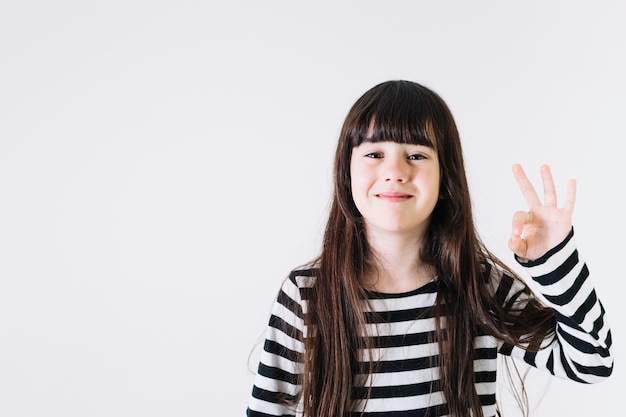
(405, 381)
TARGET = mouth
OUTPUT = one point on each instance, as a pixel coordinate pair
(393, 196)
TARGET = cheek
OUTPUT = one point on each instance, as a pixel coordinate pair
(434, 180)
(360, 179)
(359, 190)
(355, 178)
(356, 189)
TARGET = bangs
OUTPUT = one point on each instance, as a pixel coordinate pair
(399, 113)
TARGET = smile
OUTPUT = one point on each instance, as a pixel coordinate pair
(393, 196)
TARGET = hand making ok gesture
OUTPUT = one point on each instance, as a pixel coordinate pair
(544, 225)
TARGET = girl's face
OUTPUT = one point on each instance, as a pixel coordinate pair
(395, 186)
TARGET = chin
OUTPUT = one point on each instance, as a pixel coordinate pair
(400, 229)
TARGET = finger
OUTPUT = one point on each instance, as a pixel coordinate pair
(520, 218)
(518, 246)
(528, 191)
(549, 191)
(570, 196)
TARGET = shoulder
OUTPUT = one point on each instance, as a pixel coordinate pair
(296, 287)
(303, 276)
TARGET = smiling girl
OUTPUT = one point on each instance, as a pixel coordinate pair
(405, 311)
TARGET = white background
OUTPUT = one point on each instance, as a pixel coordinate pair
(164, 164)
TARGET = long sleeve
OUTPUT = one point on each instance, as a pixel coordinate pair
(580, 350)
(276, 382)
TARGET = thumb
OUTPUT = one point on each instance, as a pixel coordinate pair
(520, 219)
(517, 244)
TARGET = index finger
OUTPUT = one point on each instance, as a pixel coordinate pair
(528, 191)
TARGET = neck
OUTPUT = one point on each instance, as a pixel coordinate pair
(399, 265)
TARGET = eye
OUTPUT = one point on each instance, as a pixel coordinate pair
(416, 157)
(374, 155)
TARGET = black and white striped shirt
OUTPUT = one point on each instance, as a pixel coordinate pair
(405, 381)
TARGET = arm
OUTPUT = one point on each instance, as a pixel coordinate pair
(276, 383)
(580, 349)
(543, 242)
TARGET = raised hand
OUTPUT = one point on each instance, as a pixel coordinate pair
(545, 225)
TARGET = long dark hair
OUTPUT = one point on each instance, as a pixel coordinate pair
(406, 112)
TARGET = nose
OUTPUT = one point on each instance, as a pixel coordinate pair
(396, 170)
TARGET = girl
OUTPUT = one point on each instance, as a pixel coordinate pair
(405, 310)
